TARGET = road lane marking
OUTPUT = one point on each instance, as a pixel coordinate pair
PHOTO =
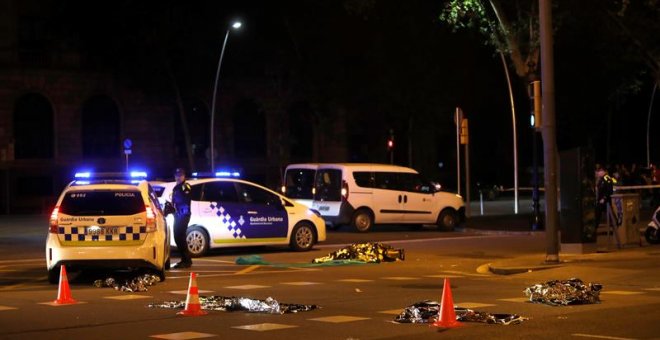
(392, 311)
(246, 287)
(12, 262)
(601, 336)
(399, 278)
(128, 297)
(464, 273)
(247, 270)
(217, 261)
(621, 292)
(339, 319)
(355, 280)
(521, 299)
(473, 304)
(7, 308)
(301, 283)
(183, 336)
(653, 289)
(263, 327)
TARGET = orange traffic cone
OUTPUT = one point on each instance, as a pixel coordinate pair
(447, 315)
(64, 292)
(193, 307)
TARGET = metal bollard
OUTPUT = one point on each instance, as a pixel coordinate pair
(481, 202)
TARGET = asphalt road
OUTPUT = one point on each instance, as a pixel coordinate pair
(357, 301)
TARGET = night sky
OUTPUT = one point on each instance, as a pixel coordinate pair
(383, 59)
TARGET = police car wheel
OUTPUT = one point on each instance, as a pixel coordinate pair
(363, 220)
(447, 220)
(302, 237)
(198, 241)
(54, 275)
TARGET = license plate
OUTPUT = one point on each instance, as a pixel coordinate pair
(98, 231)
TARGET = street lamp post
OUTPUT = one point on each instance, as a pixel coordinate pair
(235, 25)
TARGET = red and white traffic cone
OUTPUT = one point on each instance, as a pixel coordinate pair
(447, 314)
(193, 308)
(64, 292)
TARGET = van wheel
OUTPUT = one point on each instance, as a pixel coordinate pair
(447, 220)
(54, 275)
(167, 264)
(362, 220)
(198, 241)
(302, 237)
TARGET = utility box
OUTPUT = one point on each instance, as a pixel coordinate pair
(576, 180)
(626, 208)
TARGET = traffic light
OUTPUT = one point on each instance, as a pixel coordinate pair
(535, 97)
(390, 141)
(464, 131)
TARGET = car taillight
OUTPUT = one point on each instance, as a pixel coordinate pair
(344, 190)
(151, 219)
(52, 227)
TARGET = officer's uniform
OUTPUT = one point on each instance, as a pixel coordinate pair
(604, 190)
(181, 202)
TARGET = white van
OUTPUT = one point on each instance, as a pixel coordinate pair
(365, 194)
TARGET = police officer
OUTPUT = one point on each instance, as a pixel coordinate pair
(604, 189)
(181, 202)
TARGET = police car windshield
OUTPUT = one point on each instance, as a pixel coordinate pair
(106, 202)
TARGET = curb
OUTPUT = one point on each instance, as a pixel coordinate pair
(520, 269)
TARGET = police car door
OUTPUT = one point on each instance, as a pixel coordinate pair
(221, 212)
(266, 216)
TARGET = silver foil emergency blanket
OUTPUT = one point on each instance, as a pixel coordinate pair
(136, 284)
(237, 303)
(370, 252)
(564, 292)
(427, 312)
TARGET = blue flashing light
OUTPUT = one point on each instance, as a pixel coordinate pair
(227, 174)
(83, 175)
(82, 182)
(194, 174)
(138, 174)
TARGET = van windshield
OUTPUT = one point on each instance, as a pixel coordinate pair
(106, 202)
(298, 183)
(328, 185)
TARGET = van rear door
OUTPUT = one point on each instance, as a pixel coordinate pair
(298, 183)
(327, 191)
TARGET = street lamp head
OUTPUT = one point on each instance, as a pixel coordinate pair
(237, 25)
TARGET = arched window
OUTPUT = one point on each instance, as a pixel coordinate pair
(249, 130)
(33, 127)
(100, 128)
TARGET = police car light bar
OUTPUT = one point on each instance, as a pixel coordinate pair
(227, 174)
(137, 175)
(82, 175)
(222, 174)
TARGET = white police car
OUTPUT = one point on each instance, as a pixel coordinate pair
(108, 220)
(230, 212)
